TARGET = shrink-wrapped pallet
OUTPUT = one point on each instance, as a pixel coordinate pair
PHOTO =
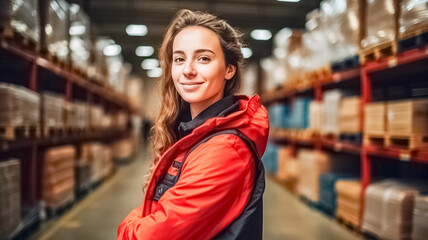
(53, 110)
(10, 197)
(19, 106)
(413, 17)
(80, 38)
(342, 18)
(22, 17)
(316, 42)
(299, 116)
(96, 162)
(332, 100)
(278, 116)
(420, 218)
(375, 118)
(58, 177)
(316, 116)
(270, 158)
(349, 201)
(381, 23)
(57, 29)
(287, 164)
(96, 116)
(311, 165)
(82, 114)
(388, 208)
(350, 116)
(406, 118)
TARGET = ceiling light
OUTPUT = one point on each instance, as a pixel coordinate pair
(136, 30)
(261, 34)
(149, 64)
(144, 51)
(77, 30)
(155, 73)
(112, 50)
(288, 0)
(246, 52)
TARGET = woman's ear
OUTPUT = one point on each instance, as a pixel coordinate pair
(230, 72)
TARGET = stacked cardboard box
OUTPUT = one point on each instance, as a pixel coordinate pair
(350, 116)
(328, 193)
(311, 165)
(58, 176)
(10, 197)
(349, 201)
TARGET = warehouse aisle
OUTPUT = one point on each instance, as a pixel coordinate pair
(98, 216)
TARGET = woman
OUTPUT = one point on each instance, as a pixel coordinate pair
(205, 182)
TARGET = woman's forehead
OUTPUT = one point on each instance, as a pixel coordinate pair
(194, 38)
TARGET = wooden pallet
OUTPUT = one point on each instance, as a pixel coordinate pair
(411, 142)
(348, 225)
(19, 132)
(11, 35)
(60, 210)
(375, 139)
(378, 52)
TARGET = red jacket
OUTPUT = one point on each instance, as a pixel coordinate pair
(215, 183)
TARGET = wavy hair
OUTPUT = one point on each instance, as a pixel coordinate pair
(164, 131)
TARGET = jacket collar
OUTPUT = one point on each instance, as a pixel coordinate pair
(221, 108)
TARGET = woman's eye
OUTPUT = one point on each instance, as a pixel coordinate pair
(204, 59)
(178, 60)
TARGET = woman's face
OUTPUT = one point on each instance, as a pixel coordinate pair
(198, 68)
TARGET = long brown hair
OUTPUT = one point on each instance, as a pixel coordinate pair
(164, 130)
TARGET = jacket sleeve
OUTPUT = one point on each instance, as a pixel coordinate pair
(214, 186)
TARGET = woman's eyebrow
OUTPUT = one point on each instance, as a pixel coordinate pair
(196, 51)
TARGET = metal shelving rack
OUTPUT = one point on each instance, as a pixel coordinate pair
(417, 59)
(31, 150)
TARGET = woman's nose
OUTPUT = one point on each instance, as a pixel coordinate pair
(189, 69)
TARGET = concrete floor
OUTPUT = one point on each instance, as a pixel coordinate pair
(99, 214)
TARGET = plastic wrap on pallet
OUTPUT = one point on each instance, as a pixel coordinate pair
(81, 110)
(53, 109)
(270, 158)
(288, 167)
(343, 32)
(56, 29)
(420, 218)
(349, 201)
(118, 72)
(380, 22)
(315, 40)
(58, 176)
(331, 112)
(413, 16)
(278, 115)
(350, 115)
(96, 116)
(299, 117)
(80, 38)
(22, 17)
(311, 165)
(316, 116)
(123, 149)
(10, 197)
(328, 195)
(19, 106)
(389, 206)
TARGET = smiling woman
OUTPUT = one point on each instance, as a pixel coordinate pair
(207, 179)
